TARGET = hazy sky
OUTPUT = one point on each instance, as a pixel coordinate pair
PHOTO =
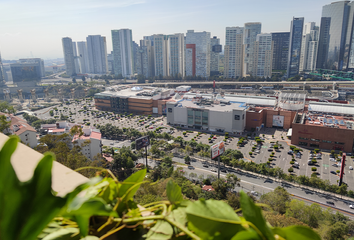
(35, 27)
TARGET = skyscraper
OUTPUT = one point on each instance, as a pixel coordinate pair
(251, 30)
(97, 54)
(280, 50)
(37, 61)
(2, 76)
(148, 46)
(83, 57)
(263, 55)
(335, 50)
(215, 50)
(197, 53)
(295, 41)
(161, 55)
(233, 52)
(309, 47)
(76, 59)
(176, 55)
(69, 56)
(122, 42)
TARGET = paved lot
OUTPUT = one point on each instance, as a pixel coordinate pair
(282, 158)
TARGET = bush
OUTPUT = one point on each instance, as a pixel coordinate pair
(292, 162)
(337, 171)
(250, 153)
(270, 159)
(291, 169)
(314, 161)
(313, 169)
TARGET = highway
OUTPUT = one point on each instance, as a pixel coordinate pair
(262, 185)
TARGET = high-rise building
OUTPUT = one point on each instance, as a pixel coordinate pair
(122, 42)
(309, 46)
(148, 49)
(2, 73)
(233, 52)
(37, 61)
(280, 50)
(263, 55)
(197, 53)
(215, 50)
(295, 41)
(83, 57)
(97, 54)
(161, 55)
(69, 56)
(176, 55)
(76, 59)
(110, 60)
(250, 32)
(335, 49)
(135, 47)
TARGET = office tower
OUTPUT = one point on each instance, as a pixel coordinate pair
(2, 73)
(309, 47)
(97, 54)
(69, 56)
(263, 55)
(76, 59)
(110, 60)
(176, 55)
(26, 73)
(295, 41)
(233, 52)
(83, 57)
(215, 50)
(122, 42)
(280, 50)
(161, 55)
(135, 55)
(335, 48)
(197, 53)
(37, 61)
(250, 32)
(147, 45)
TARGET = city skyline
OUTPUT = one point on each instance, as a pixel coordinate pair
(35, 29)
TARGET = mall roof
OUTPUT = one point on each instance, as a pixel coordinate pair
(337, 108)
(215, 107)
(252, 100)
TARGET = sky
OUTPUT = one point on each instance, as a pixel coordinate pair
(34, 28)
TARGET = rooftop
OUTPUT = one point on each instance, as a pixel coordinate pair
(334, 108)
(18, 125)
(324, 120)
(252, 100)
(215, 106)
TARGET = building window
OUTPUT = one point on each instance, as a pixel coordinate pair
(237, 117)
(170, 110)
(326, 141)
(340, 143)
(315, 140)
(303, 143)
(243, 116)
(302, 138)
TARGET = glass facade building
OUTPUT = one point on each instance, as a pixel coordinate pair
(280, 50)
(335, 43)
(25, 72)
(295, 41)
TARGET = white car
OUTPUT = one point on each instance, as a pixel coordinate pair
(213, 170)
(350, 168)
(332, 160)
(351, 206)
(254, 193)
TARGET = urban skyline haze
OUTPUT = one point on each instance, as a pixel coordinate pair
(35, 28)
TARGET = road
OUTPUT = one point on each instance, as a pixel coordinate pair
(250, 182)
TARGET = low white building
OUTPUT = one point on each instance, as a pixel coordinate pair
(207, 114)
(90, 141)
(22, 129)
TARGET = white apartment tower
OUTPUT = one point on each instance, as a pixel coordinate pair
(83, 57)
(309, 46)
(69, 56)
(161, 54)
(251, 30)
(76, 59)
(97, 54)
(197, 53)
(176, 54)
(122, 42)
(263, 55)
(233, 52)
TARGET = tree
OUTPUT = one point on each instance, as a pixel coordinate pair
(187, 159)
(141, 78)
(337, 231)
(233, 200)
(220, 187)
(5, 107)
(83, 78)
(342, 190)
(4, 124)
(277, 199)
(74, 80)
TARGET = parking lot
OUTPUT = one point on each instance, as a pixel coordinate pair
(84, 112)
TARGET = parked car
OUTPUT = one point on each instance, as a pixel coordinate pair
(254, 193)
(190, 167)
(330, 202)
(213, 170)
(332, 160)
(270, 149)
(351, 206)
(350, 168)
(290, 152)
(333, 172)
(205, 165)
(334, 165)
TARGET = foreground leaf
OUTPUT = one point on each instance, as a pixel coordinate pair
(174, 192)
(297, 232)
(26, 207)
(253, 214)
(162, 230)
(64, 234)
(213, 219)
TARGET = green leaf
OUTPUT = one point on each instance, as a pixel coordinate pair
(297, 232)
(253, 214)
(174, 192)
(249, 235)
(64, 234)
(90, 238)
(26, 207)
(110, 193)
(91, 207)
(213, 219)
(178, 215)
(162, 230)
